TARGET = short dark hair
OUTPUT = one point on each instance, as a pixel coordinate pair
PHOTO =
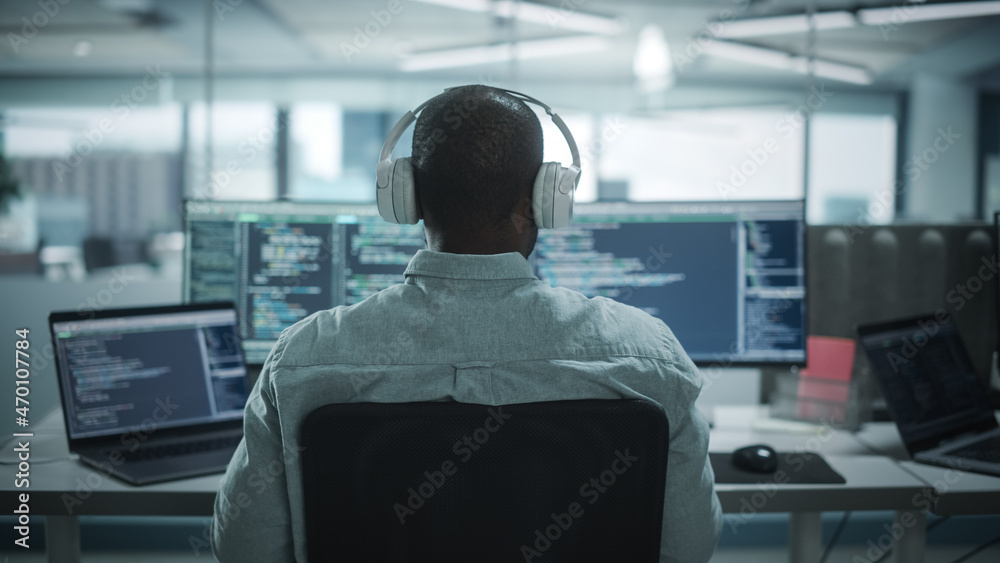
(476, 152)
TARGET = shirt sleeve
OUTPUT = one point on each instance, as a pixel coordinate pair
(252, 520)
(692, 516)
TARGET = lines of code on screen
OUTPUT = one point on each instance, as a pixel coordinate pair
(681, 273)
(774, 279)
(375, 255)
(116, 378)
(287, 273)
(212, 261)
(728, 279)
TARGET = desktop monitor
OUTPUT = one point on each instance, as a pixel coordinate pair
(728, 278)
(282, 261)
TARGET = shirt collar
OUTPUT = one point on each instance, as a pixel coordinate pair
(507, 266)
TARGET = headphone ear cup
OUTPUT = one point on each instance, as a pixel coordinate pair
(404, 193)
(552, 200)
(383, 189)
(563, 196)
(544, 194)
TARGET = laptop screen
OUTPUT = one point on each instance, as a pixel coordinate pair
(927, 379)
(147, 369)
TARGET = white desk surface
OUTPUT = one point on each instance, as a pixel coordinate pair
(56, 486)
(958, 492)
(873, 482)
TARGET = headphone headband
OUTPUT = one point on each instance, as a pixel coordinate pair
(409, 117)
(552, 193)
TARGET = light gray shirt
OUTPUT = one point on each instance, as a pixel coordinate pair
(468, 328)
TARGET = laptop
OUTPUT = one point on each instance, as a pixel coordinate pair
(152, 394)
(934, 395)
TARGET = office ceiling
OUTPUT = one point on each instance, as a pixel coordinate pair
(311, 37)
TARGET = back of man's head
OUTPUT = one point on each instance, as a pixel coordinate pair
(476, 152)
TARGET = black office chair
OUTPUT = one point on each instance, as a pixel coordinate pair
(564, 481)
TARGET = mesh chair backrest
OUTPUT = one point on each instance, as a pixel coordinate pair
(556, 481)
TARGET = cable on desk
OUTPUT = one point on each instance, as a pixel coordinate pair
(977, 550)
(835, 537)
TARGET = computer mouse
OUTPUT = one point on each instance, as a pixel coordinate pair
(758, 458)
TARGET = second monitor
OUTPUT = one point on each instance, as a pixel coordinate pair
(728, 278)
(283, 261)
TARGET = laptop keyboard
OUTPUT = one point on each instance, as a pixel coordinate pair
(178, 449)
(987, 450)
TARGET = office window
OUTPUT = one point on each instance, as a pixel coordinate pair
(63, 132)
(332, 152)
(704, 155)
(852, 168)
(98, 172)
(244, 140)
(315, 150)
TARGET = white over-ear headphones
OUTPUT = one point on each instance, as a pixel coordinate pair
(552, 199)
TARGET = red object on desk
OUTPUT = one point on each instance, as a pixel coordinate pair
(827, 376)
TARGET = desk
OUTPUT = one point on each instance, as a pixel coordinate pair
(65, 489)
(874, 482)
(956, 492)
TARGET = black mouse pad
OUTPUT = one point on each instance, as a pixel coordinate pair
(798, 468)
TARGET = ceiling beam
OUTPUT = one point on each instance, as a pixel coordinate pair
(973, 52)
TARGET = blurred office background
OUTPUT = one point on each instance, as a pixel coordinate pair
(112, 112)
